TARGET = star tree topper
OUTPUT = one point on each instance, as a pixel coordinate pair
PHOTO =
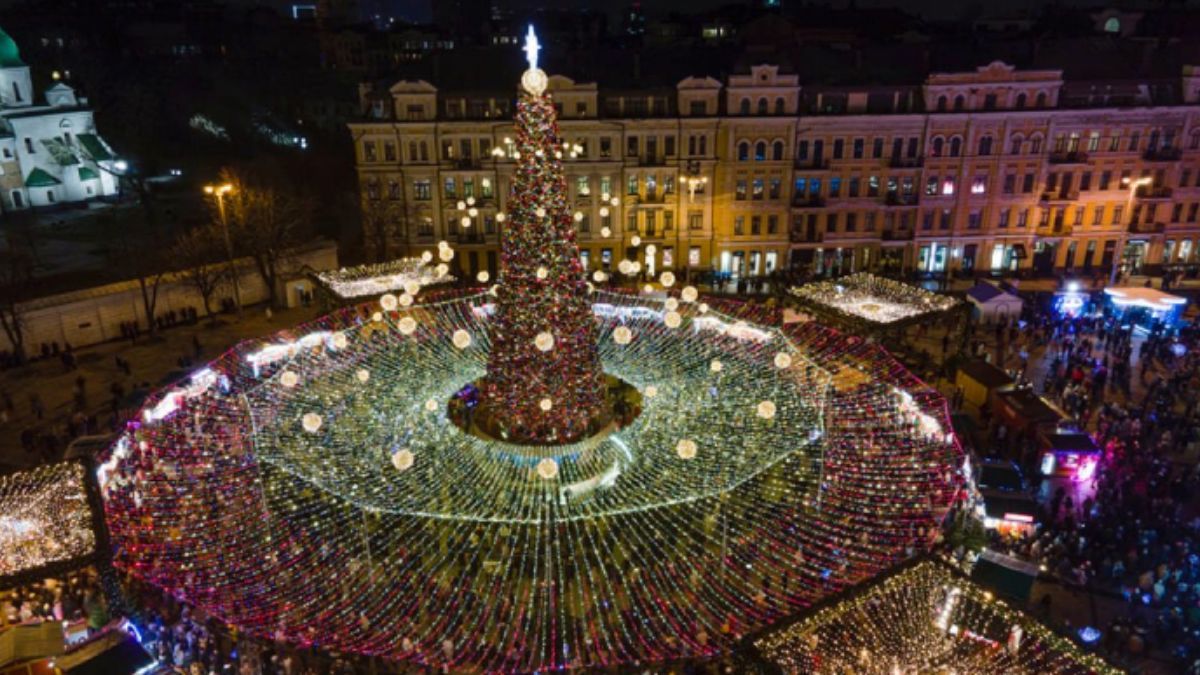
(534, 79)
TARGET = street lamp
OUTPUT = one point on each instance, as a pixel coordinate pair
(219, 191)
(1119, 254)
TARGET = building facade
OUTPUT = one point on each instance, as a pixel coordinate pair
(49, 154)
(996, 170)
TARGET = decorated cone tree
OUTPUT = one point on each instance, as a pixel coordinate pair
(544, 381)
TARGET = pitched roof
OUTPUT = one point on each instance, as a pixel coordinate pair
(94, 147)
(39, 178)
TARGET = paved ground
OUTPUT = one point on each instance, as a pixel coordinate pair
(150, 361)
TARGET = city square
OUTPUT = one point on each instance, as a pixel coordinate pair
(536, 365)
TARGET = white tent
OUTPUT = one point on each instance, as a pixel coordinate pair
(992, 303)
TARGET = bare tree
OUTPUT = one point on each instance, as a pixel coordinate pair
(199, 253)
(16, 281)
(380, 224)
(141, 246)
(267, 222)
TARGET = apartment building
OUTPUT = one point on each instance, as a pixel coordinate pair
(991, 170)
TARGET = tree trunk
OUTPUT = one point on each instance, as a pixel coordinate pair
(150, 301)
(15, 331)
(266, 270)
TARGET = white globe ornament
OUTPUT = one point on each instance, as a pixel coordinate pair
(442, 269)
(716, 366)
(540, 212)
(783, 360)
(377, 317)
(625, 267)
(443, 244)
(501, 217)
(403, 460)
(545, 404)
(702, 307)
(615, 201)
(603, 211)
(622, 335)
(605, 232)
(635, 266)
(483, 276)
(447, 254)
(412, 287)
(544, 341)
(471, 200)
(427, 256)
(667, 279)
(542, 273)
(672, 319)
(604, 196)
(671, 304)
(547, 468)
(689, 294)
(636, 240)
(461, 205)
(362, 375)
(405, 299)
(407, 325)
(766, 409)
(461, 339)
(339, 340)
(472, 211)
(650, 249)
(685, 448)
(578, 216)
(465, 221)
(647, 289)
(599, 276)
(650, 391)
(311, 422)
(289, 379)
(388, 302)
(431, 405)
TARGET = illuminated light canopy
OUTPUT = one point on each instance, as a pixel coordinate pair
(867, 299)
(924, 617)
(351, 283)
(44, 518)
(1148, 298)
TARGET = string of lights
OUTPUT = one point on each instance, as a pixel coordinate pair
(867, 297)
(44, 518)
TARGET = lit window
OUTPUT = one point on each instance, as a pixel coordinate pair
(948, 186)
(979, 185)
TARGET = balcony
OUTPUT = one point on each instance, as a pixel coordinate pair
(1147, 228)
(1152, 193)
(1059, 197)
(896, 199)
(811, 164)
(652, 198)
(807, 202)
(906, 162)
(468, 238)
(897, 235)
(1056, 230)
(467, 163)
(1162, 154)
(656, 234)
(649, 160)
(802, 237)
(1076, 157)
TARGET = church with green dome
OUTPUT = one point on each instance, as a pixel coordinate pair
(50, 150)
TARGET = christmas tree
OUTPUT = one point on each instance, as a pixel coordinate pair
(544, 381)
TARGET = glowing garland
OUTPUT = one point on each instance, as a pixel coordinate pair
(44, 518)
(924, 619)
(407, 274)
(875, 299)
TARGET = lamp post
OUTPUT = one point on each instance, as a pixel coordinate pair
(219, 191)
(1119, 254)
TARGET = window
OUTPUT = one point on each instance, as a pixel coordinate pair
(585, 223)
(449, 190)
(1078, 216)
(1112, 25)
(605, 146)
(743, 151)
(693, 256)
(697, 108)
(739, 192)
(739, 225)
(669, 146)
(938, 145)
(772, 224)
(897, 147)
(583, 186)
(777, 151)
(1014, 145)
(30, 150)
(389, 151)
(631, 185)
(757, 189)
(801, 187)
(931, 185)
(985, 145)
(1093, 141)
(839, 147)
(947, 216)
(668, 184)
(373, 189)
(776, 188)
(979, 185)
(1118, 215)
(744, 107)
(1194, 144)
(605, 186)
(1097, 215)
(802, 150)
(631, 221)
(1085, 180)
(835, 187)
(975, 220)
(393, 190)
(1021, 99)
(368, 150)
(762, 106)
(1027, 183)
(1134, 140)
(872, 186)
(485, 190)
(852, 190)
(941, 104)
(858, 148)
(1022, 217)
(468, 187)
(779, 106)
(955, 146)
(755, 225)
(421, 190)
(959, 103)
(447, 150)
(948, 185)
(989, 102)
(1105, 179)
(695, 220)
(1010, 184)
(1040, 101)
(760, 151)
(631, 146)
(651, 223)
(851, 223)
(1005, 214)
(704, 145)
(869, 221)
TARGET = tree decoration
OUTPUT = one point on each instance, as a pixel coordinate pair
(45, 519)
